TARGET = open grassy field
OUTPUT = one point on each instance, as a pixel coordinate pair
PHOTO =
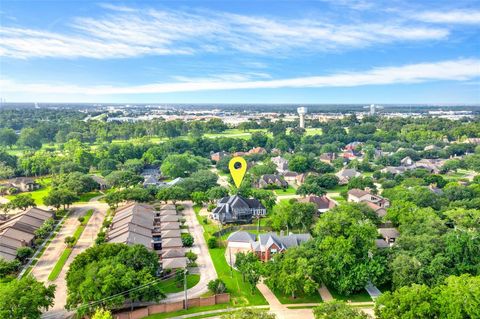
(187, 311)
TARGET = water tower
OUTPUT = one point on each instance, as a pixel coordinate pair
(301, 112)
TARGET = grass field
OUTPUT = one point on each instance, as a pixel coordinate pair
(170, 286)
(66, 253)
(88, 196)
(39, 194)
(287, 191)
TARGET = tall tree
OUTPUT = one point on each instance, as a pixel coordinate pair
(25, 298)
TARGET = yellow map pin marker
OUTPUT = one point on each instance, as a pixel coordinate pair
(238, 168)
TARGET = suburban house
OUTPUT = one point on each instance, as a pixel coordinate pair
(157, 230)
(271, 181)
(353, 146)
(22, 184)
(389, 235)
(359, 195)
(406, 161)
(19, 231)
(237, 209)
(266, 246)
(281, 163)
(351, 154)
(345, 174)
(290, 177)
(377, 203)
(257, 150)
(218, 156)
(239, 154)
(102, 182)
(322, 203)
(328, 157)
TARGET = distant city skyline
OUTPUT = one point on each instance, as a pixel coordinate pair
(310, 52)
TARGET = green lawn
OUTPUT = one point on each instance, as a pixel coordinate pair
(188, 311)
(287, 191)
(240, 292)
(39, 194)
(66, 253)
(361, 296)
(170, 286)
(298, 299)
(88, 196)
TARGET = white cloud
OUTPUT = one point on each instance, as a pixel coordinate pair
(450, 17)
(454, 70)
(127, 32)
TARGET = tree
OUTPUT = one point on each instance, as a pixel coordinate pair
(337, 309)
(216, 193)
(187, 240)
(191, 257)
(199, 198)
(310, 189)
(23, 253)
(60, 197)
(30, 138)
(90, 276)
(217, 286)
(302, 215)
(113, 199)
(266, 197)
(70, 241)
(8, 137)
(322, 167)
(299, 164)
(180, 277)
(22, 201)
(245, 313)
(8, 267)
(123, 179)
(6, 171)
(25, 298)
(173, 193)
(102, 314)
(182, 165)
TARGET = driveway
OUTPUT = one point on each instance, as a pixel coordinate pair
(85, 241)
(204, 261)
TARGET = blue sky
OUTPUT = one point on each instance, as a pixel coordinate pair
(324, 51)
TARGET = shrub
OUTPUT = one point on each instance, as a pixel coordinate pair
(205, 220)
(211, 207)
(23, 253)
(187, 240)
(70, 241)
(212, 242)
(81, 219)
(180, 207)
(217, 286)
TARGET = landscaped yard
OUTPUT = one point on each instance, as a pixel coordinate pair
(286, 191)
(240, 292)
(170, 286)
(39, 194)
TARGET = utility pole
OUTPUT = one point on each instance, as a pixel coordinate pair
(185, 287)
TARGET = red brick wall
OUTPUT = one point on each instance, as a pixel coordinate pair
(173, 306)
